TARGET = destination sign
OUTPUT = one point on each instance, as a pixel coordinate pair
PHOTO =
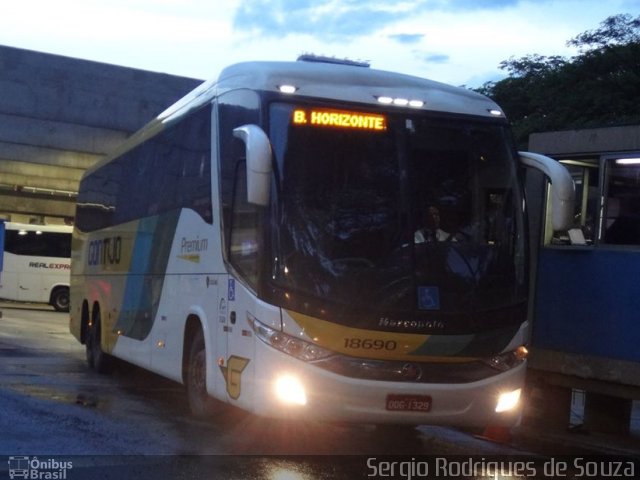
(340, 119)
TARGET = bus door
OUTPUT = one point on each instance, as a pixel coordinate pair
(241, 301)
(241, 244)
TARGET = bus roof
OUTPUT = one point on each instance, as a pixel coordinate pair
(352, 83)
(321, 80)
(340, 82)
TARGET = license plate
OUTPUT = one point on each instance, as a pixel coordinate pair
(408, 403)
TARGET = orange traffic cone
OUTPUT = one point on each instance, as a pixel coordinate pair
(497, 434)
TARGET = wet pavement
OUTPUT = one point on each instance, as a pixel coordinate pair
(134, 424)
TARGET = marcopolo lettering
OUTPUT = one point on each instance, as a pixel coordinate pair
(411, 324)
(106, 251)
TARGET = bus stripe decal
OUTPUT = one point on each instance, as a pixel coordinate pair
(414, 347)
(144, 287)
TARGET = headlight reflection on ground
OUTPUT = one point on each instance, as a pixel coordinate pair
(287, 472)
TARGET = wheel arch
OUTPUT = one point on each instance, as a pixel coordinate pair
(95, 317)
(85, 321)
(55, 290)
(191, 328)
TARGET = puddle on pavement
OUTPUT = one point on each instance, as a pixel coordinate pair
(17, 352)
(83, 399)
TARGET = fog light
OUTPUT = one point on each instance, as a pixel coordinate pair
(508, 401)
(290, 390)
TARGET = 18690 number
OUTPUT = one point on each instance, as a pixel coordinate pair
(369, 344)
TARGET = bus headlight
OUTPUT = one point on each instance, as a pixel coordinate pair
(305, 351)
(508, 401)
(509, 360)
(289, 389)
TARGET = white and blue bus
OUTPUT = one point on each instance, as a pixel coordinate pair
(258, 242)
(35, 264)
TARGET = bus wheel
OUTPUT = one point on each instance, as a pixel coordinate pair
(97, 358)
(60, 299)
(200, 403)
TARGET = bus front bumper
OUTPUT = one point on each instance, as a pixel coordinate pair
(285, 387)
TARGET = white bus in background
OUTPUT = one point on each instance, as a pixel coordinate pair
(36, 264)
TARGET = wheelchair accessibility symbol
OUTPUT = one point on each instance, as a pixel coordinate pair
(429, 298)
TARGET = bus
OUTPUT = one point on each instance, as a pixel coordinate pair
(257, 243)
(587, 303)
(36, 264)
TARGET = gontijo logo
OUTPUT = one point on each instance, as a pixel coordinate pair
(33, 468)
(105, 251)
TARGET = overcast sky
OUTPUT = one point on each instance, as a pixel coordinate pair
(460, 42)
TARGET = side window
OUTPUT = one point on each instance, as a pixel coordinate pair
(240, 220)
(621, 208)
(168, 171)
(40, 244)
(244, 229)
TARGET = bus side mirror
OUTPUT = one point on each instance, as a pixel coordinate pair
(562, 187)
(258, 154)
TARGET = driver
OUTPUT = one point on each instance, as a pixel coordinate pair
(432, 231)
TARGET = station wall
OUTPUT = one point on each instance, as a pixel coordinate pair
(60, 115)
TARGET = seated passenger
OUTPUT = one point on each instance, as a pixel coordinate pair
(432, 231)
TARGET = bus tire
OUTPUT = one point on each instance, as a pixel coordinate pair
(86, 334)
(200, 403)
(60, 299)
(98, 359)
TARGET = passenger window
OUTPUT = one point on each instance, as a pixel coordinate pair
(621, 209)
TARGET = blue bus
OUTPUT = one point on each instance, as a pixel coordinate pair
(587, 306)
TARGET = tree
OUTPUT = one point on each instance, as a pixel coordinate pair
(600, 86)
(615, 30)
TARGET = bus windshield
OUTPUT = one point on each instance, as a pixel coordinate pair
(394, 220)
